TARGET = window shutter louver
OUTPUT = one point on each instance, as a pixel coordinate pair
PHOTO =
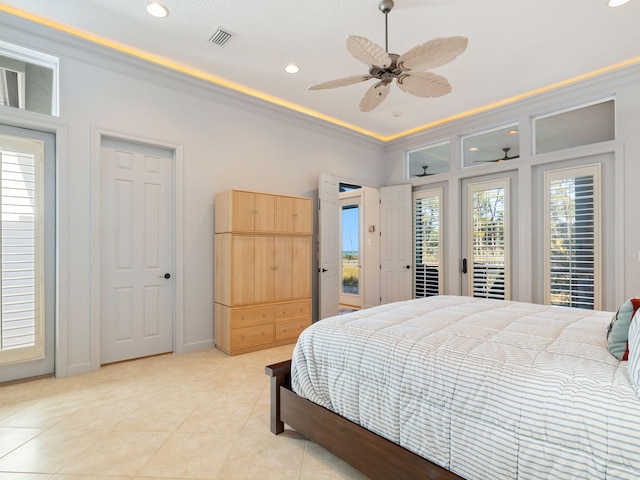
(427, 224)
(572, 246)
(19, 237)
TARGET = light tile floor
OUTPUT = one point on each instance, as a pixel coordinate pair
(200, 415)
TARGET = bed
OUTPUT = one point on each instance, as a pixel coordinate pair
(463, 388)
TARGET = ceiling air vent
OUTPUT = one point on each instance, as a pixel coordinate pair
(220, 37)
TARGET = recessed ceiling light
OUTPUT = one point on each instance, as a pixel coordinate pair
(157, 9)
(473, 149)
(617, 3)
(291, 68)
(512, 132)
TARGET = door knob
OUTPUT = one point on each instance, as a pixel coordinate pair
(408, 266)
(166, 275)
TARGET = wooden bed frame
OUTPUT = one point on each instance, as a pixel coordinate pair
(376, 457)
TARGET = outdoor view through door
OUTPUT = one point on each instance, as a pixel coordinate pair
(350, 248)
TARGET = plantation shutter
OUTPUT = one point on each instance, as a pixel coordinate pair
(489, 249)
(572, 243)
(428, 243)
(21, 316)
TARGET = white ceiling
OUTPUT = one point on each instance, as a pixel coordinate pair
(515, 46)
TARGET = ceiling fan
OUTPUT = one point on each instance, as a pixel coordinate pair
(424, 172)
(407, 69)
(506, 156)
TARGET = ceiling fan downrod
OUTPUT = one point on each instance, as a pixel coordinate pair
(385, 7)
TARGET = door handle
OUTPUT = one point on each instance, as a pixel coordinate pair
(464, 265)
(166, 275)
(408, 267)
(322, 270)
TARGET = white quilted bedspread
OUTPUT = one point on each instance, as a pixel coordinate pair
(488, 389)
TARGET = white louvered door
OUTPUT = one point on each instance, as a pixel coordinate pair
(136, 302)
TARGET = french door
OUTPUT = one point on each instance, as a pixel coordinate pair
(486, 238)
(27, 253)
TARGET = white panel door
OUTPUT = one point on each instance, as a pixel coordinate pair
(329, 251)
(136, 288)
(396, 243)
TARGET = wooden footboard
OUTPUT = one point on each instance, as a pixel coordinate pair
(373, 455)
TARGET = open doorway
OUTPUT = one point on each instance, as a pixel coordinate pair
(351, 251)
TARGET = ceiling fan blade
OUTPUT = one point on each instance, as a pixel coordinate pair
(374, 96)
(341, 82)
(424, 84)
(368, 52)
(433, 53)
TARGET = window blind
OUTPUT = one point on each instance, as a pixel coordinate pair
(428, 235)
(572, 256)
(18, 237)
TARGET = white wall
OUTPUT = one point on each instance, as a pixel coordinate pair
(227, 142)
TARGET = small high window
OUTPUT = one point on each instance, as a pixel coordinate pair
(573, 128)
(496, 145)
(429, 160)
(28, 80)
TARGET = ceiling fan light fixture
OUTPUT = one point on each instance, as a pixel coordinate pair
(617, 3)
(157, 9)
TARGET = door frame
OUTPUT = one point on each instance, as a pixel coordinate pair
(178, 222)
(22, 119)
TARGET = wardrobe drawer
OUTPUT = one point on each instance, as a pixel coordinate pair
(246, 317)
(250, 336)
(286, 311)
(289, 330)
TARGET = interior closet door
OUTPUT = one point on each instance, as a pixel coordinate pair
(137, 294)
(396, 244)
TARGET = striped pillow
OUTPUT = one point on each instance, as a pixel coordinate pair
(618, 330)
(634, 353)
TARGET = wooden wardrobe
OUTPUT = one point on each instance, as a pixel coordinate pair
(262, 271)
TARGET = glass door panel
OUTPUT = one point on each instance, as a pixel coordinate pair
(487, 253)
